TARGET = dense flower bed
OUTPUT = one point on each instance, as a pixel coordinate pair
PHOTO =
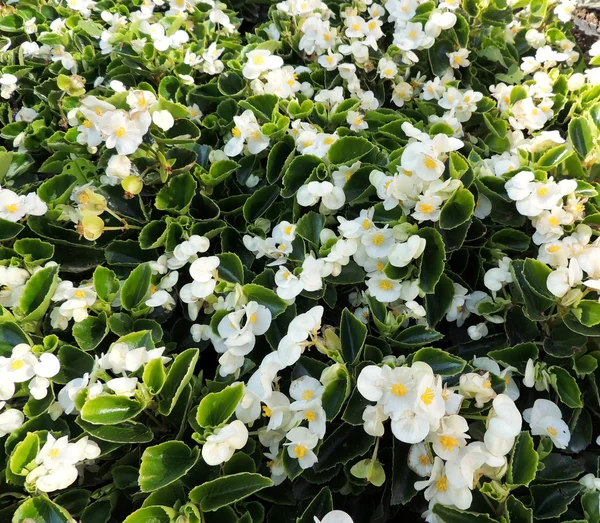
(301, 261)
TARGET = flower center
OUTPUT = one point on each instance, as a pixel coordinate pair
(378, 239)
(299, 451)
(542, 191)
(120, 132)
(310, 416)
(252, 319)
(424, 460)
(13, 207)
(54, 453)
(442, 485)
(267, 412)
(552, 431)
(308, 394)
(448, 443)
(427, 396)
(554, 248)
(79, 294)
(385, 285)
(398, 389)
(17, 364)
(236, 132)
(429, 162)
(425, 208)
(258, 60)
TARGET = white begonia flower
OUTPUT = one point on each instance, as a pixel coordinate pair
(123, 132)
(140, 100)
(8, 85)
(450, 437)
(10, 420)
(246, 130)
(303, 326)
(383, 289)
(259, 61)
(67, 395)
(335, 516)
(503, 426)
(220, 446)
(332, 197)
(545, 419)
(562, 280)
(459, 58)
(19, 367)
(441, 487)
(288, 285)
(485, 363)
(163, 119)
(420, 460)
(203, 271)
(494, 279)
(478, 331)
(58, 478)
(123, 386)
(300, 443)
(118, 167)
(401, 254)
(374, 417)
(476, 386)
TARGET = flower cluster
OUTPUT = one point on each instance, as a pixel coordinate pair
(318, 261)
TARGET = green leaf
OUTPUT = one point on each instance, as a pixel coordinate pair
(265, 297)
(10, 335)
(416, 336)
(342, 445)
(309, 227)
(263, 105)
(552, 500)
(177, 195)
(136, 286)
(349, 149)
(110, 410)
(403, 478)
(180, 374)
(581, 135)
(90, 332)
(8, 229)
(432, 261)
(587, 312)
(165, 463)
(517, 511)
(154, 514)
(41, 510)
(24, 453)
(336, 393)
(441, 362)
(219, 172)
(453, 515)
(260, 202)
(154, 375)
(523, 463)
(438, 303)
(35, 297)
(33, 250)
(353, 334)
(320, 505)
(224, 491)
(516, 356)
(217, 407)
(230, 268)
(106, 284)
(126, 432)
(511, 239)
(457, 209)
(566, 387)
(298, 171)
